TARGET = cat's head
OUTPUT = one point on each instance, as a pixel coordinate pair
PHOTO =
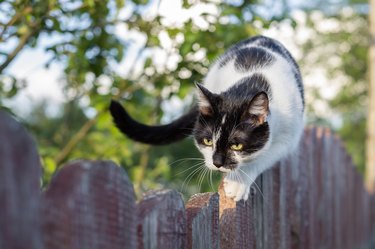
(232, 127)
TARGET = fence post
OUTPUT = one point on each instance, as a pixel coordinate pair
(161, 220)
(241, 223)
(20, 173)
(203, 221)
(90, 205)
(287, 206)
(271, 207)
(227, 212)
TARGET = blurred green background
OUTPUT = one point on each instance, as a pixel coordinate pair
(148, 55)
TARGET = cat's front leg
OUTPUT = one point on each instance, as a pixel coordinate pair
(237, 186)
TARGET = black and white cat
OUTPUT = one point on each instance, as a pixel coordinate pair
(249, 114)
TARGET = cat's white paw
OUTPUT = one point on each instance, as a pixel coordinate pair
(236, 190)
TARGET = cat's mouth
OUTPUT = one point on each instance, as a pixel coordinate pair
(227, 168)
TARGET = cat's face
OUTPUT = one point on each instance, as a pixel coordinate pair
(230, 130)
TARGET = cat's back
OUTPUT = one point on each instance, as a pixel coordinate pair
(258, 54)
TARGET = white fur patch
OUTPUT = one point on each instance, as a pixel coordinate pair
(223, 120)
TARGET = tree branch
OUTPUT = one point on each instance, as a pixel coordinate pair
(22, 42)
(143, 162)
(75, 140)
(82, 132)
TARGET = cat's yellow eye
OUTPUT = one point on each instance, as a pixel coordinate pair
(236, 147)
(207, 142)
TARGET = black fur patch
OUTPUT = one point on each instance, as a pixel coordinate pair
(237, 127)
(156, 135)
(268, 43)
(247, 87)
(252, 58)
(276, 47)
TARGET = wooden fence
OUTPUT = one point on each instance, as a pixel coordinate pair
(315, 199)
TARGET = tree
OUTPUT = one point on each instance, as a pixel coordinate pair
(336, 48)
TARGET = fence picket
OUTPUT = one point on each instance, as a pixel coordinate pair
(287, 211)
(270, 185)
(337, 195)
(203, 221)
(89, 205)
(20, 172)
(227, 213)
(162, 220)
(294, 192)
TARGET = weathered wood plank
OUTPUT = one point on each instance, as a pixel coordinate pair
(312, 192)
(162, 220)
(20, 174)
(365, 215)
(203, 221)
(372, 221)
(318, 201)
(351, 207)
(271, 207)
(338, 194)
(301, 175)
(255, 208)
(358, 209)
(249, 218)
(241, 223)
(286, 199)
(90, 205)
(295, 192)
(326, 168)
(227, 213)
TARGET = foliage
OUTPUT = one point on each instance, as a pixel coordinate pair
(338, 44)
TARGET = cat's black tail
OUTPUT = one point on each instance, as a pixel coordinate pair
(155, 135)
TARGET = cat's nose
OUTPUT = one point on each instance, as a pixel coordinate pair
(218, 160)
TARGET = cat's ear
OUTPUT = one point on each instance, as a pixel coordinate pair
(205, 100)
(259, 108)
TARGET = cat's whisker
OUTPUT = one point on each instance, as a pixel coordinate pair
(183, 160)
(187, 180)
(205, 175)
(190, 176)
(201, 178)
(234, 175)
(239, 178)
(191, 167)
(196, 170)
(206, 125)
(253, 181)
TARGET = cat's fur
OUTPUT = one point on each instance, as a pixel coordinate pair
(252, 97)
